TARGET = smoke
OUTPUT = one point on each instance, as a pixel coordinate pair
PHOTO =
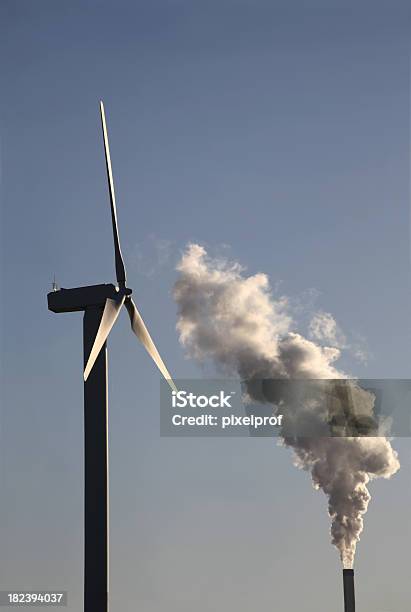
(233, 320)
(323, 328)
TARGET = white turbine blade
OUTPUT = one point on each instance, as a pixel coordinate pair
(110, 313)
(138, 327)
(119, 263)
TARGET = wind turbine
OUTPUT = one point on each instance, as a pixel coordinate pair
(101, 305)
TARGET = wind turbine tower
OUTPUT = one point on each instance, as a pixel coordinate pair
(101, 305)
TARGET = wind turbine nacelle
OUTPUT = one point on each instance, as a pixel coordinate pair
(80, 298)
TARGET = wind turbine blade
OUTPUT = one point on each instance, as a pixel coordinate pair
(120, 269)
(110, 313)
(138, 327)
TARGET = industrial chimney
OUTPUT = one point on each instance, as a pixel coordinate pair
(349, 597)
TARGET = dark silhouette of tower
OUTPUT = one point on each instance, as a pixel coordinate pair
(101, 305)
(349, 597)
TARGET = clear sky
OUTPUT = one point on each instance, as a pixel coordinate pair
(274, 132)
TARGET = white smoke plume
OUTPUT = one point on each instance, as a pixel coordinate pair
(234, 321)
(323, 328)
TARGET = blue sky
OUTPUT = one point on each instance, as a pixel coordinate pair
(275, 133)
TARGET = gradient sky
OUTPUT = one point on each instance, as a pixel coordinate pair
(275, 133)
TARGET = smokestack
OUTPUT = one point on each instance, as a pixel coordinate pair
(349, 597)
